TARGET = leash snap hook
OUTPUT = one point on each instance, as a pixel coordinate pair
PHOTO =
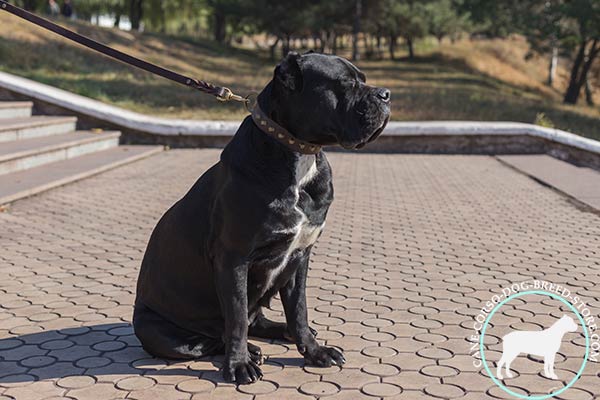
(225, 94)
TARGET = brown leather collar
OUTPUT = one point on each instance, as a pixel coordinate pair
(279, 133)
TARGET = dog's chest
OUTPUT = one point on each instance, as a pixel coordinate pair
(300, 228)
(305, 231)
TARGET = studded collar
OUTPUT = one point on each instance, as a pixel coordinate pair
(279, 133)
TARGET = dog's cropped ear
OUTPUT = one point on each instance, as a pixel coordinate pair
(288, 72)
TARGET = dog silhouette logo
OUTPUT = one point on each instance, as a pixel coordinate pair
(539, 343)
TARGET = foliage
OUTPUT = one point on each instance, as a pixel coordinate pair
(571, 26)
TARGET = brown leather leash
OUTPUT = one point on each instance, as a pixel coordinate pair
(222, 93)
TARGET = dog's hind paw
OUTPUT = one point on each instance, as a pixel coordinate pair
(255, 353)
(242, 373)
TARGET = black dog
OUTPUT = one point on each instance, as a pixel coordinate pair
(245, 230)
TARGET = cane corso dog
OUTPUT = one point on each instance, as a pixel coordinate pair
(245, 230)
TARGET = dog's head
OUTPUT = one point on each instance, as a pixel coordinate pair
(324, 99)
(568, 323)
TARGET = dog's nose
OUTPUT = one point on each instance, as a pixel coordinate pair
(384, 95)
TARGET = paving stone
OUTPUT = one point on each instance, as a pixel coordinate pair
(196, 386)
(75, 382)
(260, 387)
(349, 378)
(35, 391)
(319, 389)
(414, 247)
(381, 389)
(99, 391)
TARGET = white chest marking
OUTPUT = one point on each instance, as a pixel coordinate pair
(305, 233)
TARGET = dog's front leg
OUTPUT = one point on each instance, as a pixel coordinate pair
(232, 283)
(293, 297)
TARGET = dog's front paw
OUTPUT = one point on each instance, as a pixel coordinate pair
(241, 372)
(324, 357)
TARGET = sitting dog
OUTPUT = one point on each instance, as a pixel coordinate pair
(245, 230)
(540, 343)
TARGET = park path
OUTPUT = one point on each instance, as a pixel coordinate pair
(414, 247)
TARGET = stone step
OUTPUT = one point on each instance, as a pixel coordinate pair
(37, 126)
(23, 154)
(15, 109)
(26, 183)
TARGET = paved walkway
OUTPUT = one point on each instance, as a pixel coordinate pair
(414, 248)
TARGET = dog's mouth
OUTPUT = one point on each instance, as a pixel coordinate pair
(374, 135)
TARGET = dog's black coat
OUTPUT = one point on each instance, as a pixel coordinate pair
(244, 231)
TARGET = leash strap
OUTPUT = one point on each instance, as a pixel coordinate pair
(220, 92)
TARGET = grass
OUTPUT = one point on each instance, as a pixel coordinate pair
(468, 80)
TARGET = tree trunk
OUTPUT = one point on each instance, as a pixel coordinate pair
(135, 13)
(572, 93)
(356, 30)
(552, 66)
(322, 42)
(411, 50)
(285, 48)
(117, 20)
(334, 39)
(392, 47)
(273, 47)
(220, 26)
(578, 80)
(589, 98)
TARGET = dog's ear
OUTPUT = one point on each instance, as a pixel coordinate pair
(288, 72)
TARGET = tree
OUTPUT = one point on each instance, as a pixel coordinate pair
(136, 12)
(356, 28)
(585, 16)
(572, 26)
(444, 19)
(494, 18)
(412, 22)
(282, 18)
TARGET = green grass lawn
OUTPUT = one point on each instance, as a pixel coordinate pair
(464, 81)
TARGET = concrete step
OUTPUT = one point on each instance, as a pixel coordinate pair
(15, 109)
(30, 127)
(20, 155)
(36, 180)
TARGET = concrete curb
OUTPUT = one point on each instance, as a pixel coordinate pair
(413, 137)
(111, 114)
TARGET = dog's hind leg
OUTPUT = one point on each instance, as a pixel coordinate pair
(163, 339)
(549, 366)
(262, 327)
(499, 367)
(510, 357)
